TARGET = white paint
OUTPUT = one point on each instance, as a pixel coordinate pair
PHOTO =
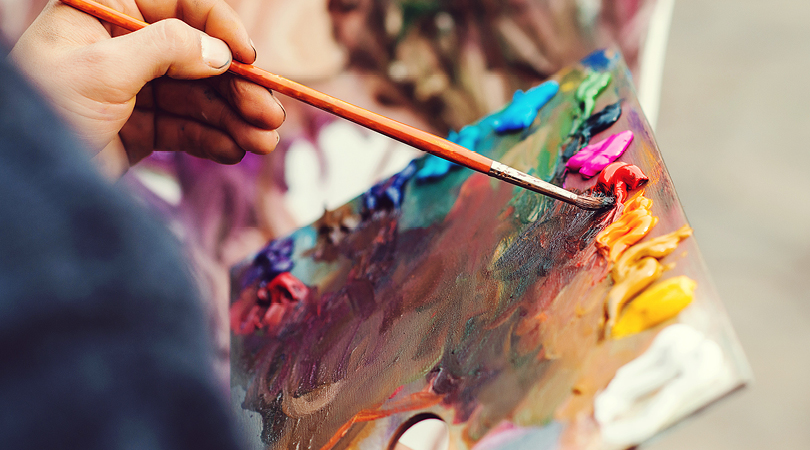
(651, 392)
(428, 434)
(354, 159)
(651, 64)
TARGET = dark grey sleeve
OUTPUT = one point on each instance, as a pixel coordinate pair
(102, 340)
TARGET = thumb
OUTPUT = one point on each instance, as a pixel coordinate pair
(169, 47)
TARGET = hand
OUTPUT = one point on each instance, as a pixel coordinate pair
(160, 88)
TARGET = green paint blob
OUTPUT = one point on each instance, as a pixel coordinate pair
(589, 90)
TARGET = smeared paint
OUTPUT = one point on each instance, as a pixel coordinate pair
(387, 195)
(620, 177)
(589, 90)
(634, 223)
(523, 109)
(434, 168)
(637, 269)
(419, 400)
(593, 158)
(656, 305)
(681, 365)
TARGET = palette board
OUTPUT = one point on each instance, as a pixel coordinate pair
(520, 321)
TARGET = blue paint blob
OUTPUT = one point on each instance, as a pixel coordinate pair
(387, 195)
(272, 260)
(524, 107)
(434, 168)
(599, 60)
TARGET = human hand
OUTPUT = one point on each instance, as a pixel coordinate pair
(160, 88)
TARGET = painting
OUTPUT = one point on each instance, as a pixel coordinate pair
(517, 320)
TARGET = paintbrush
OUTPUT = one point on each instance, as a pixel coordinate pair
(404, 133)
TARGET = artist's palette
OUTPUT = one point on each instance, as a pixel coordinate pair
(519, 321)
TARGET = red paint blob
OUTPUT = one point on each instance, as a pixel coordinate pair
(268, 306)
(620, 177)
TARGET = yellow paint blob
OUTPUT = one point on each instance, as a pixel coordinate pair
(634, 223)
(655, 305)
(636, 269)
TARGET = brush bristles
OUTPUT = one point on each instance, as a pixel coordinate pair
(594, 203)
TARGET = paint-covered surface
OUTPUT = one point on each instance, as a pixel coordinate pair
(471, 300)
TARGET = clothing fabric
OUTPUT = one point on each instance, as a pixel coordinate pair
(102, 338)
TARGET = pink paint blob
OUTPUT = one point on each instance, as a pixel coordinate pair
(594, 158)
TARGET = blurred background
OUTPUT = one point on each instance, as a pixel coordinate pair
(734, 95)
(733, 109)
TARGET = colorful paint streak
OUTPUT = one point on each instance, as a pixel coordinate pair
(656, 305)
(593, 158)
(632, 226)
(637, 269)
(523, 109)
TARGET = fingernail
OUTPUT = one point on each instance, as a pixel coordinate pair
(279, 104)
(215, 52)
(255, 53)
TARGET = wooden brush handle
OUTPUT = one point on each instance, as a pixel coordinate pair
(397, 130)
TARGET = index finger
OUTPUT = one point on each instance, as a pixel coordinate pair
(214, 17)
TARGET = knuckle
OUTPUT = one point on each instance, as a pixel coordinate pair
(175, 34)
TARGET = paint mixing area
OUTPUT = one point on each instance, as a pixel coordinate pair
(584, 228)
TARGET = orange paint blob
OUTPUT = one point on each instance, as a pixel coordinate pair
(634, 223)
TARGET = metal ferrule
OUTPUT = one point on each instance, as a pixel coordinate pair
(524, 180)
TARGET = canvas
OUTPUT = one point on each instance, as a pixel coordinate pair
(520, 321)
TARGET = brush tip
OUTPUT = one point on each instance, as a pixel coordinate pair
(595, 203)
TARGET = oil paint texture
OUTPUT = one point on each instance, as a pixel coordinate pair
(478, 303)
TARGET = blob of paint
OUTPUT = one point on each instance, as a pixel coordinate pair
(595, 157)
(647, 393)
(435, 168)
(620, 177)
(657, 248)
(632, 226)
(523, 109)
(657, 304)
(637, 269)
(589, 90)
(269, 262)
(387, 195)
(267, 307)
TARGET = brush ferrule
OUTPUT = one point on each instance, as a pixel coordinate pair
(524, 180)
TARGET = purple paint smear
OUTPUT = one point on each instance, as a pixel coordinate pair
(594, 158)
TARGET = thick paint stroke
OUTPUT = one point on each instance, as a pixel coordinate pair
(589, 90)
(632, 226)
(637, 269)
(656, 305)
(619, 178)
(593, 158)
(435, 168)
(523, 109)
